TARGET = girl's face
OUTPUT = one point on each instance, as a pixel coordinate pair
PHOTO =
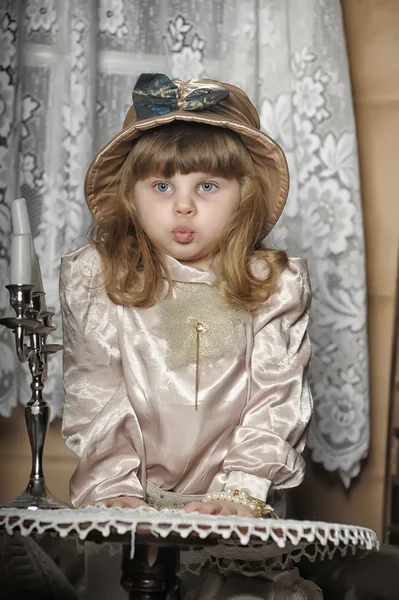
(185, 215)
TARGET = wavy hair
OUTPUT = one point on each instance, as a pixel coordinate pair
(135, 270)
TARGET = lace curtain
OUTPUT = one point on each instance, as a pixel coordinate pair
(67, 68)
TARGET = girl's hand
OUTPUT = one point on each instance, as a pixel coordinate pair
(219, 507)
(121, 501)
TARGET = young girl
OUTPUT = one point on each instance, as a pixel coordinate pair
(186, 350)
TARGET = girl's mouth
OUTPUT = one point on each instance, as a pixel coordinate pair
(183, 235)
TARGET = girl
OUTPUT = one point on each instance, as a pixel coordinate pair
(186, 349)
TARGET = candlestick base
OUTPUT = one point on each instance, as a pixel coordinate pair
(35, 496)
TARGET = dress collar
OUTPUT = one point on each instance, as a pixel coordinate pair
(186, 274)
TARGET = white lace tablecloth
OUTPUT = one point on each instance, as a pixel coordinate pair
(225, 541)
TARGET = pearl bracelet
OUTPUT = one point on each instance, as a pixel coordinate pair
(259, 507)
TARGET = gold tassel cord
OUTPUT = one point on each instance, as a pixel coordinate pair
(197, 356)
(199, 329)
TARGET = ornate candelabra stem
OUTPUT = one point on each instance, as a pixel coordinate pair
(33, 322)
(37, 418)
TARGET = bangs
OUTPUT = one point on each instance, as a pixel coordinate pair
(185, 148)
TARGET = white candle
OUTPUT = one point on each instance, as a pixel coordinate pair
(21, 243)
(25, 267)
(20, 217)
(21, 264)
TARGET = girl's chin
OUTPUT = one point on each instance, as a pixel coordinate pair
(187, 254)
(190, 257)
(198, 262)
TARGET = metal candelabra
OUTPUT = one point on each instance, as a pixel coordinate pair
(32, 324)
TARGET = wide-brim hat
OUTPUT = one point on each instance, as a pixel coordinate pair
(157, 100)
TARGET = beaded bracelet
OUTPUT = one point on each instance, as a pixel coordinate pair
(259, 507)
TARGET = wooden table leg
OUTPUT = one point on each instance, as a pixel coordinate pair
(151, 573)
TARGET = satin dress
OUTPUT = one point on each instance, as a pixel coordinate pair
(130, 378)
(150, 398)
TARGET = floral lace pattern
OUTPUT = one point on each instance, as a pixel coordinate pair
(40, 14)
(290, 58)
(112, 19)
(187, 58)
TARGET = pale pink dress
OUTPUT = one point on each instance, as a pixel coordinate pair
(129, 379)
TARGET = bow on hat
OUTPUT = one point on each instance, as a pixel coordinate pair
(156, 93)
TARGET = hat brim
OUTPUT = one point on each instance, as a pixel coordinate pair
(103, 176)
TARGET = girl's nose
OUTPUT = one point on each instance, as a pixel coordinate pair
(184, 205)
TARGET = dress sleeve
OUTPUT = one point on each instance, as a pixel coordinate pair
(99, 423)
(267, 445)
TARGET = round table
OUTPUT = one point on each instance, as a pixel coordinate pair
(153, 540)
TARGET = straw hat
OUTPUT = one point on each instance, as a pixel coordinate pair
(157, 101)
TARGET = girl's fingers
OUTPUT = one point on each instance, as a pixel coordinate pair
(123, 502)
(193, 507)
(218, 508)
(211, 508)
(226, 511)
(244, 512)
(134, 503)
(205, 508)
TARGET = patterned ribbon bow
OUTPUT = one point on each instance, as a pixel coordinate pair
(156, 93)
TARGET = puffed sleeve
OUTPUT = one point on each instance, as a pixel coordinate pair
(99, 423)
(267, 445)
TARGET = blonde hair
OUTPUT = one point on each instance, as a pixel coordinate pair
(134, 269)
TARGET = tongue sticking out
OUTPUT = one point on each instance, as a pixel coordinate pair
(183, 235)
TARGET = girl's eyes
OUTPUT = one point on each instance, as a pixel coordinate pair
(207, 186)
(162, 186)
